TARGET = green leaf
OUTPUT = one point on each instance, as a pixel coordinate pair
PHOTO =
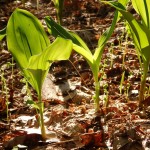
(60, 49)
(78, 44)
(104, 38)
(39, 65)
(88, 56)
(142, 7)
(141, 36)
(34, 104)
(30, 46)
(124, 3)
(57, 30)
(25, 37)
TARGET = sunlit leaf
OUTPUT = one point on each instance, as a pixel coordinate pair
(124, 3)
(142, 7)
(30, 46)
(104, 38)
(25, 37)
(60, 49)
(38, 66)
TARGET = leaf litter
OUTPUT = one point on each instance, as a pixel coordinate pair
(69, 114)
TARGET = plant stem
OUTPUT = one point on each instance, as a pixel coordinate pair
(59, 4)
(95, 70)
(143, 84)
(96, 98)
(41, 109)
(124, 53)
(5, 90)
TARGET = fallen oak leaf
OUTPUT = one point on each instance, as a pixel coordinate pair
(98, 138)
(86, 139)
(29, 140)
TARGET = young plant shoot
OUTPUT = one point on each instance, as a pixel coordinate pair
(33, 52)
(140, 32)
(59, 4)
(80, 47)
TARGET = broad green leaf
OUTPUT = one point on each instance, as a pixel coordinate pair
(142, 7)
(2, 33)
(30, 46)
(60, 49)
(57, 30)
(39, 65)
(25, 38)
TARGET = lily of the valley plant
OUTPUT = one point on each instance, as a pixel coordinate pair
(140, 32)
(33, 52)
(80, 47)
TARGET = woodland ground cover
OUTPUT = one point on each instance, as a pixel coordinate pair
(68, 89)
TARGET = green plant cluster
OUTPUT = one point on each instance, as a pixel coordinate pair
(34, 53)
(140, 32)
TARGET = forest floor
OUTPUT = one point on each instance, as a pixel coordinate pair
(69, 114)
